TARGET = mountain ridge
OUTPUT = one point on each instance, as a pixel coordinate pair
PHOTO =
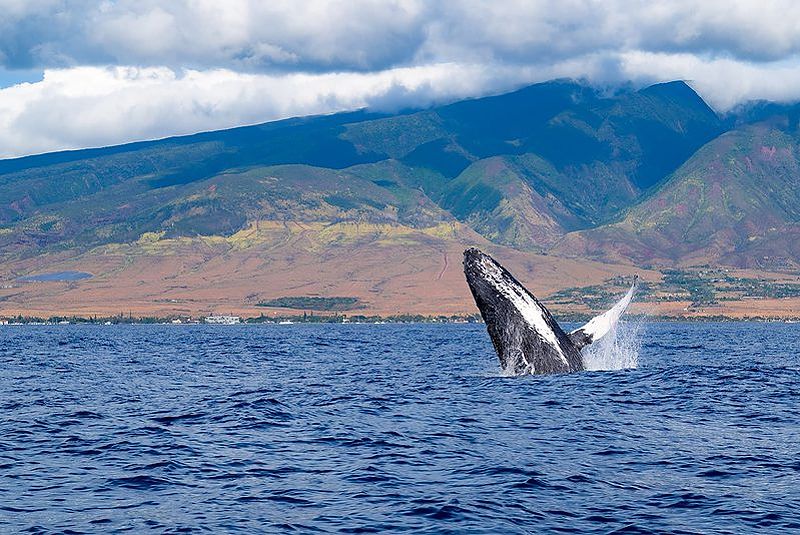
(558, 169)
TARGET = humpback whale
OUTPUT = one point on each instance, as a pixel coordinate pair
(526, 337)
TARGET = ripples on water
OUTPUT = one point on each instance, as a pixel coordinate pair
(361, 428)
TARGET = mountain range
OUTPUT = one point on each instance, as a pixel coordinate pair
(570, 183)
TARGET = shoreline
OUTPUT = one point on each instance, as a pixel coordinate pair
(344, 319)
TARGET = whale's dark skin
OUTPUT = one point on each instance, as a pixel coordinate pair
(527, 338)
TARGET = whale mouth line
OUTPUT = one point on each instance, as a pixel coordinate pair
(525, 335)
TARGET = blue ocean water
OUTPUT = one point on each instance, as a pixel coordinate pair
(55, 276)
(389, 428)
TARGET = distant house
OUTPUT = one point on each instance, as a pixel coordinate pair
(223, 320)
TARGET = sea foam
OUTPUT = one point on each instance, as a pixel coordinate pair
(617, 350)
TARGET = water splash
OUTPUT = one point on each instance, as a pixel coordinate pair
(617, 350)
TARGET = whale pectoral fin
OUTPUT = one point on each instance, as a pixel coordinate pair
(600, 325)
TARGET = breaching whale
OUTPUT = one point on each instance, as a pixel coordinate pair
(526, 337)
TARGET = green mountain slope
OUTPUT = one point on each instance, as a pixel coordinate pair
(216, 206)
(650, 176)
(736, 201)
(521, 168)
(584, 184)
(604, 150)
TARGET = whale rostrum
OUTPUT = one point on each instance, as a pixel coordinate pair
(526, 337)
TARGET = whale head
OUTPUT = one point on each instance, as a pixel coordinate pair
(525, 335)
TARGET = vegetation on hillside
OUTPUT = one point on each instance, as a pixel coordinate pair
(313, 303)
(522, 169)
(651, 177)
(700, 287)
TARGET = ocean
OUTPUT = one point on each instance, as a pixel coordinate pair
(395, 428)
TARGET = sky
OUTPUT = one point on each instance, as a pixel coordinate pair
(86, 73)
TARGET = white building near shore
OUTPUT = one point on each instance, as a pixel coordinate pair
(223, 320)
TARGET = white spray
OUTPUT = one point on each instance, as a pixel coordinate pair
(617, 350)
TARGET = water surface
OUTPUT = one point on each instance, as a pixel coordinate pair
(373, 428)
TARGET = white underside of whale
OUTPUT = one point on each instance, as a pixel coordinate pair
(529, 309)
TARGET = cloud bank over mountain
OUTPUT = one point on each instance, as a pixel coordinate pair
(125, 70)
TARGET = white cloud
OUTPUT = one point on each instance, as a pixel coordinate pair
(375, 35)
(380, 34)
(123, 70)
(235, 34)
(723, 82)
(95, 106)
